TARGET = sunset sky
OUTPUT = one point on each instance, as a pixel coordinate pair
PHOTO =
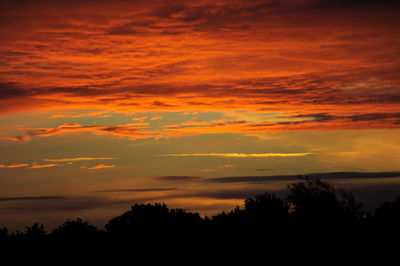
(197, 104)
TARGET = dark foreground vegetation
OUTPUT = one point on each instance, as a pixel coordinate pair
(314, 214)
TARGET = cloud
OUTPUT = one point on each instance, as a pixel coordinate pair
(216, 56)
(26, 198)
(178, 178)
(237, 155)
(329, 176)
(65, 204)
(86, 114)
(156, 118)
(226, 166)
(266, 169)
(37, 166)
(139, 118)
(15, 165)
(134, 190)
(131, 131)
(78, 159)
(289, 123)
(280, 123)
(323, 117)
(101, 166)
(208, 170)
(19, 138)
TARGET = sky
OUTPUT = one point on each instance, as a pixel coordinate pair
(197, 104)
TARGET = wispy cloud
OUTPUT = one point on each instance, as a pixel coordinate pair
(133, 132)
(30, 198)
(179, 178)
(226, 166)
(133, 190)
(101, 166)
(139, 118)
(78, 159)
(332, 175)
(208, 170)
(15, 165)
(237, 155)
(37, 166)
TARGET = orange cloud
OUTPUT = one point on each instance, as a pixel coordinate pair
(290, 123)
(262, 56)
(16, 165)
(133, 132)
(280, 123)
(208, 170)
(226, 166)
(139, 118)
(37, 166)
(156, 118)
(101, 166)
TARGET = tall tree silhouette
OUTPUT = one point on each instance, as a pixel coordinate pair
(316, 200)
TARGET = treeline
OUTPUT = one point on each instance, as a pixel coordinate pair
(313, 211)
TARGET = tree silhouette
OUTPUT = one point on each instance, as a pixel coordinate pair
(264, 215)
(150, 220)
(75, 230)
(313, 212)
(316, 200)
(3, 235)
(35, 232)
(389, 211)
(263, 208)
(266, 208)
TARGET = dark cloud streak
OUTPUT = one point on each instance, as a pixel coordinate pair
(178, 178)
(29, 198)
(327, 176)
